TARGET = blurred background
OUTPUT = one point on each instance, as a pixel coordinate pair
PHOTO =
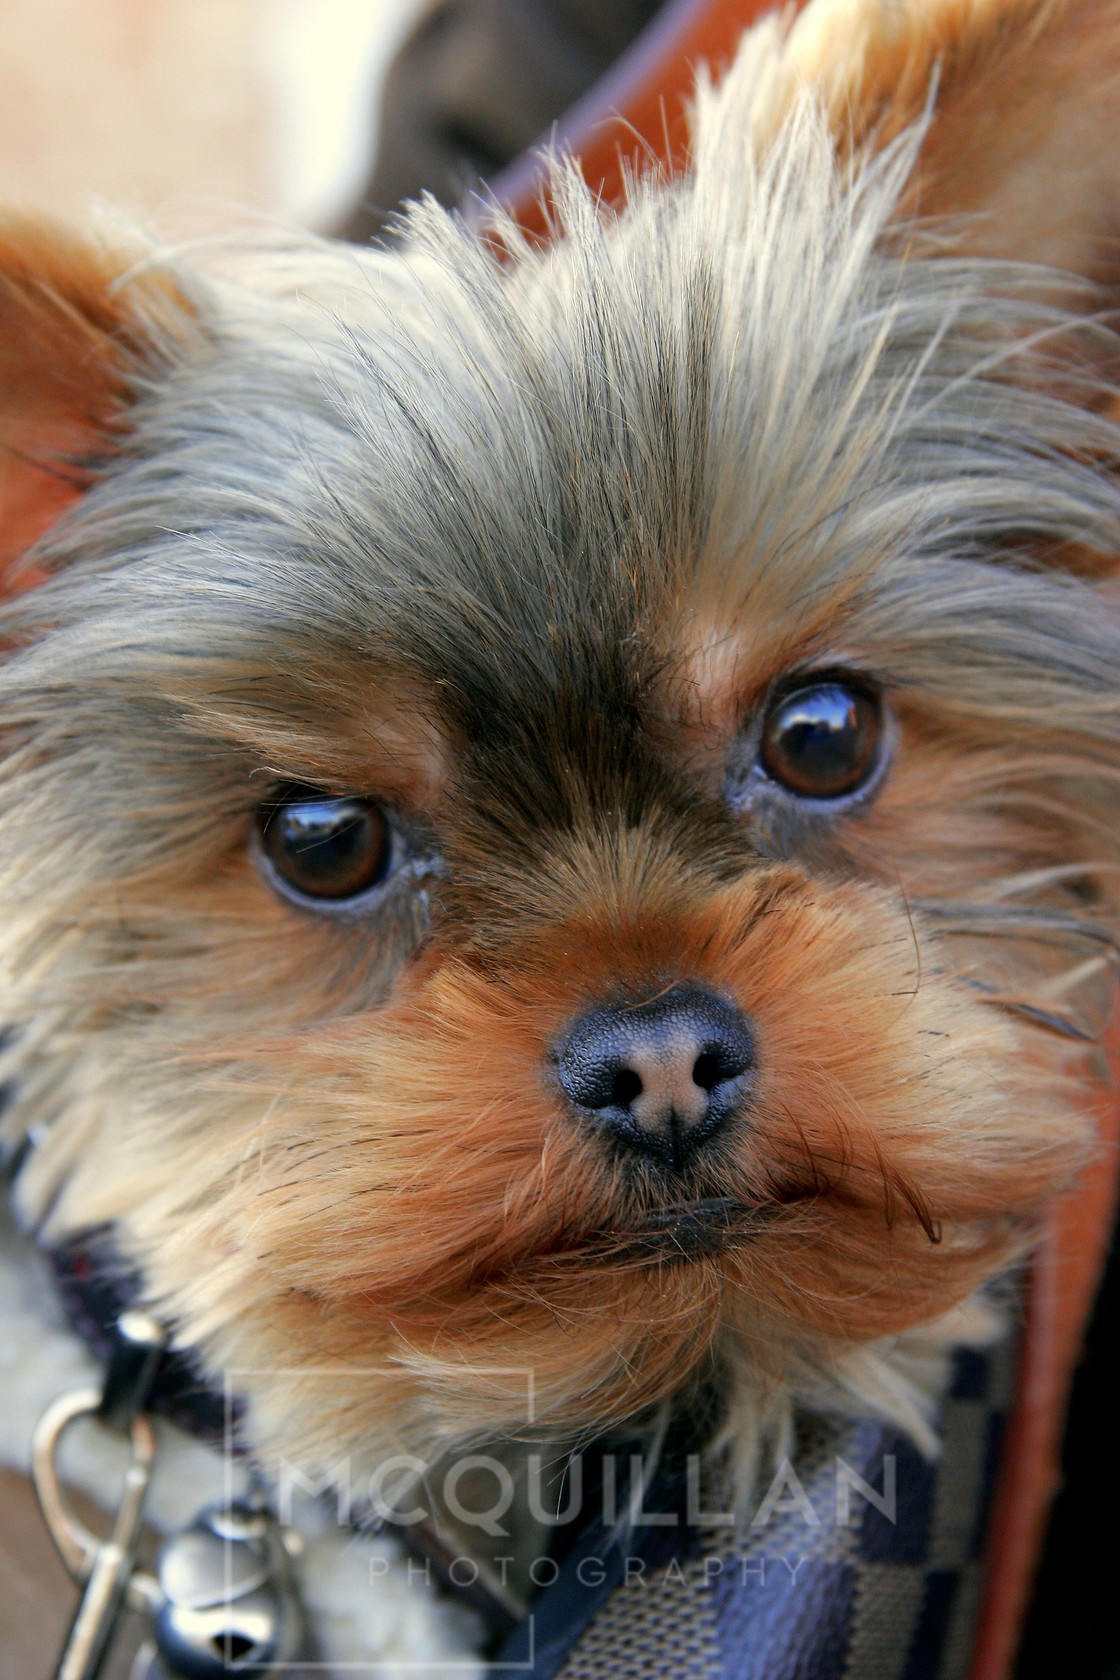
(190, 112)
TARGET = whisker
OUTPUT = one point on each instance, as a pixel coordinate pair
(1048, 1019)
(1058, 985)
(1032, 880)
(1015, 921)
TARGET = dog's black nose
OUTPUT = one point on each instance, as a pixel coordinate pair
(662, 1077)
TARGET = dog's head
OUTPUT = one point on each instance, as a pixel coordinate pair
(556, 810)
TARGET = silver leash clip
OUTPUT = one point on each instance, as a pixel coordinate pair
(224, 1599)
(104, 1567)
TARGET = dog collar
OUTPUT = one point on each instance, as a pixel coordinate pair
(94, 1287)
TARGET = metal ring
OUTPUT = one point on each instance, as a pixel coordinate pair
(78, 1545)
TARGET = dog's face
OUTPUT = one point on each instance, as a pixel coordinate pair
(555, 811)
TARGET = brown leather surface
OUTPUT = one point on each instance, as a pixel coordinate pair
(1064, 1279)
(639, 109)
(37, 1596)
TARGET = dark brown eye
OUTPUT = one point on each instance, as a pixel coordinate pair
(322, 847)
(824, 740)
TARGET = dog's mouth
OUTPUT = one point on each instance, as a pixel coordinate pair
(701, 1229)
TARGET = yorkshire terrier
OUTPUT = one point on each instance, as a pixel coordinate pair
(559, 800)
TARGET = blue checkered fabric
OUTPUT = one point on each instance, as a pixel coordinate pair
(863, 1561)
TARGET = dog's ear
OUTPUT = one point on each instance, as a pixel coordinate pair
(1020, 152)
(82, 324)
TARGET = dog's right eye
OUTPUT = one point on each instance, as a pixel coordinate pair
(324, 849)
(822, 740)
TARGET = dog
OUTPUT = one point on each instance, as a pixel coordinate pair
(558, 802)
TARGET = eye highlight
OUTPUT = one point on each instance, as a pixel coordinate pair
(823, 740)
(323, 847)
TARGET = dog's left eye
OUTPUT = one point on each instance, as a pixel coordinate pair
(323, 848)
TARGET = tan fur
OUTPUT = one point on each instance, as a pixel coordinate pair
(523, 551)
(1019, 150)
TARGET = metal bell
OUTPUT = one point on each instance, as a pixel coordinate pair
(230, 1604)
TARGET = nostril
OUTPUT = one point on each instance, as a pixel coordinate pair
(626, 1087)
(708, 1070)
(719, 1063)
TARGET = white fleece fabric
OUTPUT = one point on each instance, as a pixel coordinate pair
(364, 1605)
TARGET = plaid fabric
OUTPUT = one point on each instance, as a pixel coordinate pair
(863, 1562)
